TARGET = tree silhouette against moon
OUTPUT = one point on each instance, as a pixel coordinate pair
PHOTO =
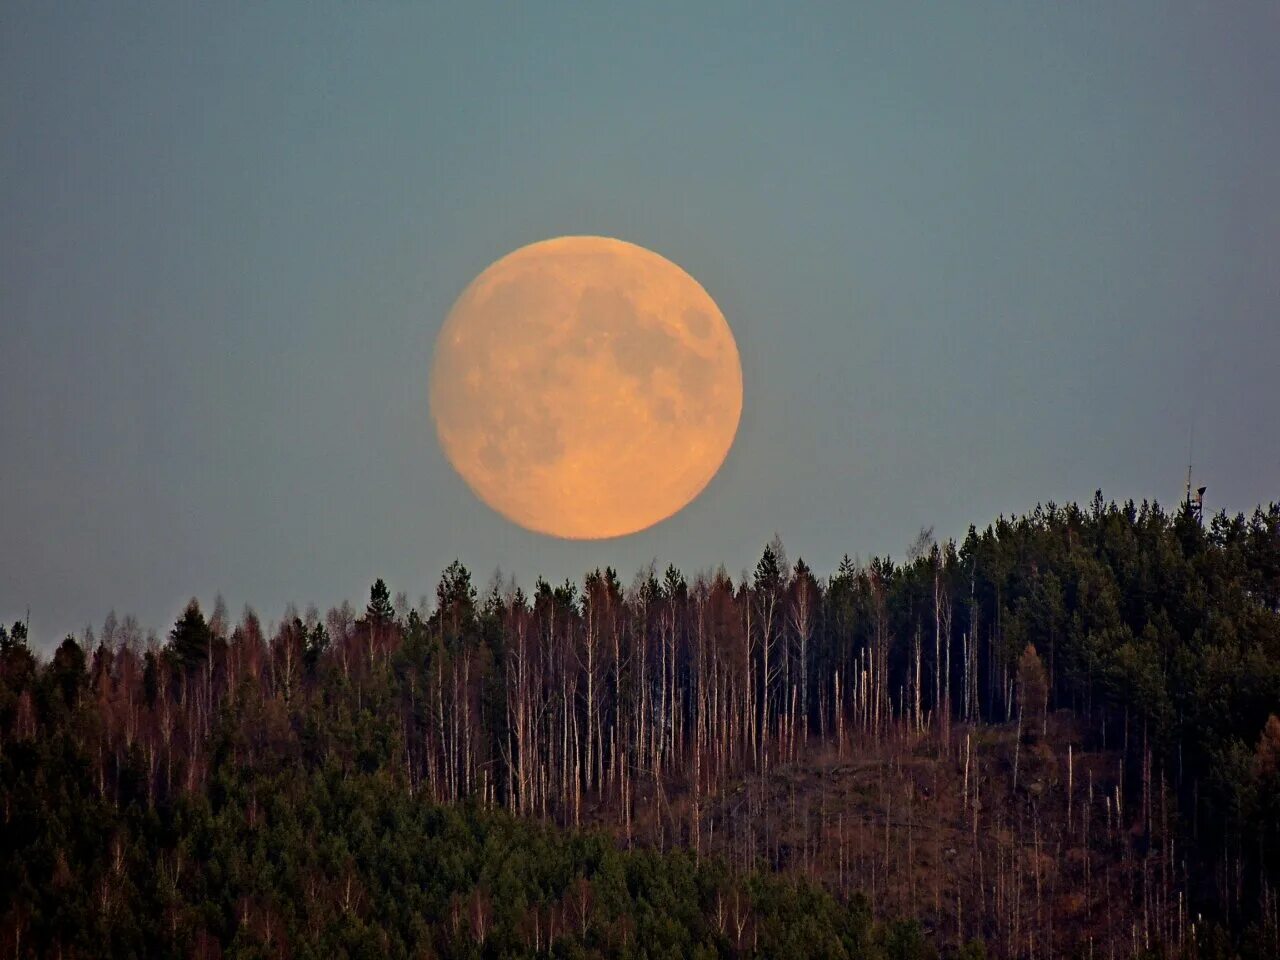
(585, 387)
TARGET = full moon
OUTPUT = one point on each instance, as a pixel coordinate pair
(585, 387)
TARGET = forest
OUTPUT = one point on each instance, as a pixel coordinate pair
(1056, 737)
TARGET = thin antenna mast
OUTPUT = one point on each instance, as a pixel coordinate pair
(1191, 439)
(1194, 504)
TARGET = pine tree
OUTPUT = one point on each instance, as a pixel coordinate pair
(68, 670)
(379, 611)
(190, 636)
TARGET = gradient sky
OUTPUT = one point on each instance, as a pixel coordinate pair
(974, 257)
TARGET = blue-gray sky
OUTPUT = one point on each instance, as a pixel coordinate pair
(974, 256)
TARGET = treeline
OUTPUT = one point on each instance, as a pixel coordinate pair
(642, 706)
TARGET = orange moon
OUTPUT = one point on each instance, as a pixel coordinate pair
(585, 387)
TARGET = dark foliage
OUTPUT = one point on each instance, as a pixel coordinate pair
(395, 784)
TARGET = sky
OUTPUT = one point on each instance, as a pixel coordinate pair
(974, 256)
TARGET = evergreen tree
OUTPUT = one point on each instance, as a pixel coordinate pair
(67, 671)
(379, 611)
(189, 639)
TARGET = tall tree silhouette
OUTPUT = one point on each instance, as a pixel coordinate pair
(189, 639)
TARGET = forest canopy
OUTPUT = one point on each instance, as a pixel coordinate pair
(1058, 734)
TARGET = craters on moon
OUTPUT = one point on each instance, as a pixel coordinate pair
(586, 387)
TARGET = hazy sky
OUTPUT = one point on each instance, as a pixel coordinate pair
(974, 257)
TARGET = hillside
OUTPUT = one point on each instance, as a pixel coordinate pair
(1055, 738)
(973, 833)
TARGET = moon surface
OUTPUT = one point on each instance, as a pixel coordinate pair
(585, 387)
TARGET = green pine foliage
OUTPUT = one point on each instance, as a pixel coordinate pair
(322, 858)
